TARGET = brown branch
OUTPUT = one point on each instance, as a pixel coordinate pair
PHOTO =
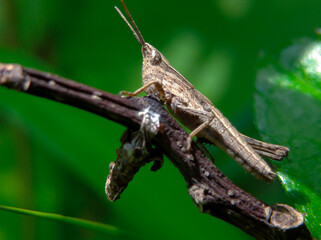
(210, 190)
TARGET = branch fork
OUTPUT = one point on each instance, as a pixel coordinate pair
(152, 132)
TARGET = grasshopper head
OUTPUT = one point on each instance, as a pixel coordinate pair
(151, 55)
(153, 61)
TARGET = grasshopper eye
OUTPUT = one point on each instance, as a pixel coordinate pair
(156, 58)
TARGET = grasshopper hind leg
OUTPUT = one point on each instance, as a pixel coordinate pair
(200, 142)
(195, 132)
(275, 152)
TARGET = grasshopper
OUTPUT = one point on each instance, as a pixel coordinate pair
(197, 112)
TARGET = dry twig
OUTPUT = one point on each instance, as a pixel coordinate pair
(211, 191)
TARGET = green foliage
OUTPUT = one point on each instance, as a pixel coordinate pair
(55, 158)
(288, 111)
(111, 230)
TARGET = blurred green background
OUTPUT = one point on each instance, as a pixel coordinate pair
(55, 158)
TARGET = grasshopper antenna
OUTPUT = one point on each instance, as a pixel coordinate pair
(132, 27)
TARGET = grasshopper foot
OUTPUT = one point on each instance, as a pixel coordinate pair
(126, 94)
(188, 145)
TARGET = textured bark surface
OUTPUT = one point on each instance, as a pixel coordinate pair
(211, 191)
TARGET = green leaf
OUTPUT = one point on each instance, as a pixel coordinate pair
(288, 112)
(71, 220)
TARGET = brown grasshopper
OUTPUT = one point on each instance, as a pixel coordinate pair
(198, 113)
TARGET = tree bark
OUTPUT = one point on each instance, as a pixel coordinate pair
(211, 191)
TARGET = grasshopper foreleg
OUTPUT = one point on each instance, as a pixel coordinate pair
(157, 84)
